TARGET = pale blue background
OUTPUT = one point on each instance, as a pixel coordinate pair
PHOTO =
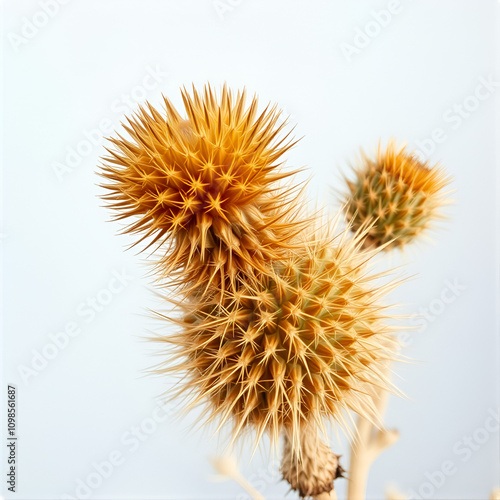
(58, 250)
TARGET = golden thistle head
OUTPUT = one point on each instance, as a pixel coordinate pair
(395, 195)
(206, 184)
(304, 342)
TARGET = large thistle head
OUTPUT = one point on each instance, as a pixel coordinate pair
(395, 195)
(306, 341)
(205, 187)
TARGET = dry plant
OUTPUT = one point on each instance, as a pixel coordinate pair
(280, 327)
(396, 196)
(205, 190)
(395, 193)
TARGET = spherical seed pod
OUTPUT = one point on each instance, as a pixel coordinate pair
(395, 196)
(306, 341)
(205, 188)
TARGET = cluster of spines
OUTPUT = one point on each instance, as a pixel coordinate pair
(395, 195)
(277, 330)
(207, 190)
(305, 342)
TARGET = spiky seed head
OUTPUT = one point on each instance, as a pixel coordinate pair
(395, 195)
(207, 184)
(306, 341)
(317, 467)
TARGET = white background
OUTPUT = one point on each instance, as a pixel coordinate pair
(75, 70)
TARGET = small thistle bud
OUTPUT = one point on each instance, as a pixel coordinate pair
(207, 187)
(395, 196)
(314, 471)
(304, 342)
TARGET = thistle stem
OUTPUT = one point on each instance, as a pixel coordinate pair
(249, 488)
(228, 467)
(366, 447)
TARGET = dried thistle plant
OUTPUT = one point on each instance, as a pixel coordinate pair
(396, 194)
(302, 343)
(280, 328)
(206, 188)
(395, 197)
(280, 355)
